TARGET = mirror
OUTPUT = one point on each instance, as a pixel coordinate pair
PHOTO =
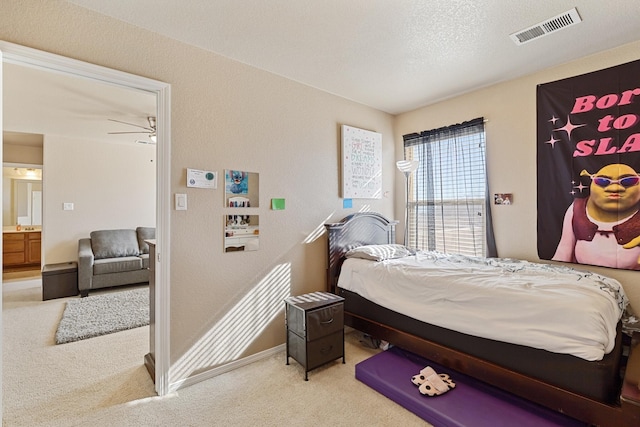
(241, 233)
(22, 197)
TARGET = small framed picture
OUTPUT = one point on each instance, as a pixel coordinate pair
(503, 198)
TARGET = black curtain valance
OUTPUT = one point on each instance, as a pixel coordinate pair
(474, 125)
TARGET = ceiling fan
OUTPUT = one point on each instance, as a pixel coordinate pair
(149, 130)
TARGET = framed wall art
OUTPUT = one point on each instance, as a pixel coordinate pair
(361, 163)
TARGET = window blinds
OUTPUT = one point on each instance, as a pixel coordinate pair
(448, 193)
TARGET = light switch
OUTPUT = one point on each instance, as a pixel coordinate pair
(181, 202)
(67, 206)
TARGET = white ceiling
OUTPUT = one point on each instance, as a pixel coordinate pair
(393, 55)
(43, 102)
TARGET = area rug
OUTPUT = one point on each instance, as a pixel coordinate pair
(103, 314)
(470, 403)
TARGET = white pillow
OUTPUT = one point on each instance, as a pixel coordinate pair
(379, 252)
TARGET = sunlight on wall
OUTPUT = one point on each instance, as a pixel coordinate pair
(317, 232)
(230, 337)
(320, 229)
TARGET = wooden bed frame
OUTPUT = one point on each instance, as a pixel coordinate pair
(371, 228)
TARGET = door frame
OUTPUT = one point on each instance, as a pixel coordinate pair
(29, 57)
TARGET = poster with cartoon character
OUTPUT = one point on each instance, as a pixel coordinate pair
(241, 189)
(588, 161)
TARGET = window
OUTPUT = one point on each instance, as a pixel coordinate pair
(448, 204)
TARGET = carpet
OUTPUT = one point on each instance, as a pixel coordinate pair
(103, 314)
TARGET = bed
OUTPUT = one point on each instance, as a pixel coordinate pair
(585, 386)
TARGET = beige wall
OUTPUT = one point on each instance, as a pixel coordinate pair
(21, 154)
(226, 115)
(510, 109)
(111, 186)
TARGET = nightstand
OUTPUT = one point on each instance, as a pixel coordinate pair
(315, 329)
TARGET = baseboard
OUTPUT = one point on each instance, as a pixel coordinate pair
(214, 372)
(150, 364)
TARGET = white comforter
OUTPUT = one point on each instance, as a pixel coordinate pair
(555, 308)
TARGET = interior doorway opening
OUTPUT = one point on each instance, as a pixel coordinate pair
(42, 61)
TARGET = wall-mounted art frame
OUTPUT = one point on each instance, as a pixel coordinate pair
(361, 163)
(503, 198)
(242, 189)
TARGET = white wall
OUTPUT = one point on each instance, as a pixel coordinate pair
(111, 186)
(510, 109)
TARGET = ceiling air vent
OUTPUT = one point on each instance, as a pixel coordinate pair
(547, 27)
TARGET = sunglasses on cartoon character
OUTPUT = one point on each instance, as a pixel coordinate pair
(626, 182)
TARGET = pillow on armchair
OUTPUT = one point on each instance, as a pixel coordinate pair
(114, 243)
(145, 233)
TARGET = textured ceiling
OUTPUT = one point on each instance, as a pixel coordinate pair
(393, 55)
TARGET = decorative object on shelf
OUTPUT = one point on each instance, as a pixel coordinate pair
(407, 167)
(239, 202)
(241, 184)
(361, 163)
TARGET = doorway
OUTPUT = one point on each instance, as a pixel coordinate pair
(21, 219)
(43, 61)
